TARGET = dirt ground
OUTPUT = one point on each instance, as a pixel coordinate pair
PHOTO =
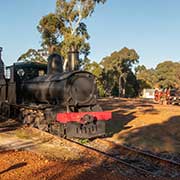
(144, 124)
(136, 122)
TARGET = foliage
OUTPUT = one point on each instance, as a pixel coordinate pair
(132, 85)
(165, 75)
(168, 74)
(111, 69)
(122, 60)
(65, 30)
(50, 28)
(147, 77)
(83, 141)
(117, 67)
(97, 70)
(34, 56)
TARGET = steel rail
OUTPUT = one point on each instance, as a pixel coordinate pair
(140, 170)
(146, 154)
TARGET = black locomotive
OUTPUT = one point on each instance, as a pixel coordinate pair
(45, 97)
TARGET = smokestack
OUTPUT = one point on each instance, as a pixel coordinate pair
(55, 64)
(1, 65)
(73, 59)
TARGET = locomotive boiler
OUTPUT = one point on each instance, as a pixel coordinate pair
(45, 97)
(70, 89)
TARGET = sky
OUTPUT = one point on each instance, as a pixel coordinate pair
(151, 27)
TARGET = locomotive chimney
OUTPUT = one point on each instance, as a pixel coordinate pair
(1, 65)
(73, 59)
(55, 64)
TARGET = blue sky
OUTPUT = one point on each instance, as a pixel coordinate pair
(152, 28)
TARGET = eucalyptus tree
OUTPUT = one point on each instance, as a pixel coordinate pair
(96, 69)
(65, 30)
(167, 74)
(147, 77)
(117, 67)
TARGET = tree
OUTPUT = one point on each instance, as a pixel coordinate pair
(97, 70)
(50, 28)
(65, 30)
(34, 56)
(165, 75)
(147, 78)
(168, 74)
(132, 87)
(117, 66)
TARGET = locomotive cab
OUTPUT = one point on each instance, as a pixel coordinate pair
(17, 74)
(28, 70)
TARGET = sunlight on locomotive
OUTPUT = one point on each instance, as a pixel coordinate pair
(82, 89)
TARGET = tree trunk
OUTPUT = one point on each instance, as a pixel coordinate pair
(122, 86)
(65, 64)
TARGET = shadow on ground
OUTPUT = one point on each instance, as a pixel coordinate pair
(123, 112)
(165, 135)
(161, 137)
(14, 167)
(156, 137)
(74, 170)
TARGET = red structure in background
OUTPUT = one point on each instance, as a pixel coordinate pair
(167, 96)
(163, 96)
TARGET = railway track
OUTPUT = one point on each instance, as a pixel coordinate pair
(142, 173)
(110, 162)
(107, 162)
(132, 161)
(150, 163)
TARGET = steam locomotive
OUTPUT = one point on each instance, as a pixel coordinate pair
(45, 97)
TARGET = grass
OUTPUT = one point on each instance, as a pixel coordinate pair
(83, 141)
(20, 133)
